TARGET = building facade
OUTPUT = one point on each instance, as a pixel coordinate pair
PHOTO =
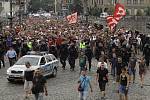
(133, 7)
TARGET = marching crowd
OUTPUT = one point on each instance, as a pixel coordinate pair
(84, 42)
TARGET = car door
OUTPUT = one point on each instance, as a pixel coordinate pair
(49, 64)
(43, 65)
(54, 60)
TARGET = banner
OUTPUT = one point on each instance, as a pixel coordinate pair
(72, 18)
(112, 22)
(120, 11)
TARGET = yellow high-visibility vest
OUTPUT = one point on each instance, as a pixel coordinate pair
(82, 45)
(29, 44)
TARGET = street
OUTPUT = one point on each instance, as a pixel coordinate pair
(64, 87)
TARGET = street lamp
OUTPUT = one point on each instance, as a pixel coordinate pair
(11, 15)
(85, 9)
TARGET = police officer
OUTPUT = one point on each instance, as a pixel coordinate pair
(12, 55)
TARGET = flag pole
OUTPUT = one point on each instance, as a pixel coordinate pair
(55, 6)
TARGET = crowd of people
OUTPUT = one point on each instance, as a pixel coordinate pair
(84, 42)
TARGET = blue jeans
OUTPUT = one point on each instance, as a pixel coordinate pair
(83, 95)
(39, 96)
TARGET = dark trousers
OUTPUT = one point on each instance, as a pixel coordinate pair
(2, 60)
(72, 63)
(63, 62)
(89, 61)
(147, 59)
(12, 61)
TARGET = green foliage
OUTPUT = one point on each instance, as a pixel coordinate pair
(110, 10)
(147, 11)
(77, 6)
(36, 5)
(127, 12)
(139, 12)
(95, 11)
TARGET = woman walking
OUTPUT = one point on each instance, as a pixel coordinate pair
(142, 70)
(124, 84)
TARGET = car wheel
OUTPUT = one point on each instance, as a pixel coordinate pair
(10, 80)
(54, 72)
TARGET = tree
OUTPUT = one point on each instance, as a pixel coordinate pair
(127, 12)
(95, 11)
(110, 10)
(139, 12)
(77, 6)
(147, 11)
(36, 5)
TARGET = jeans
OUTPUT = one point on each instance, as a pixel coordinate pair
(83, 95)
(39, 96)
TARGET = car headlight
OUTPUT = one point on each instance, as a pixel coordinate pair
(8, 71)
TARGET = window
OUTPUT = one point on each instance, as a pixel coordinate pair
(48, 58)
(141, 1)
(42, 61)
(97, 2)
(135, 1)
(92, 2)
(113, 1)
(101, 2)
(129, 1)
(53, 57)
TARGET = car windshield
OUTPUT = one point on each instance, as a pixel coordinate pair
(33, 61)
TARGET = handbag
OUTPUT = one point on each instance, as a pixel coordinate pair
(80, 88)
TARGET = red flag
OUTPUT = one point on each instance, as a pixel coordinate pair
(72, 18)
(119, 11)
(112, 22)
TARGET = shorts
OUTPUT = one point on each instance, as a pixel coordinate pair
(27, 85)
(102, 86)
(123, 90)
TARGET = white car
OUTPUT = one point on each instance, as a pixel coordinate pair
(47, 62)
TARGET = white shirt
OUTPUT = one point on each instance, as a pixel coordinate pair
(11, 54)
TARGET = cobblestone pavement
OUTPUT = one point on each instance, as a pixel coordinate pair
(64, 87)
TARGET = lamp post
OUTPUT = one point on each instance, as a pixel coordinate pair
(11, 15)
(55, 7)
(85, 9)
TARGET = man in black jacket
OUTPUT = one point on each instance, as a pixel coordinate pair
(63, 55)
(73, 54)
(146, 53)
(89, 54)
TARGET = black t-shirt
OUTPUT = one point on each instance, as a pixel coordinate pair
(102, 74)
(28, 75)
(38, 84)
(119, 67)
